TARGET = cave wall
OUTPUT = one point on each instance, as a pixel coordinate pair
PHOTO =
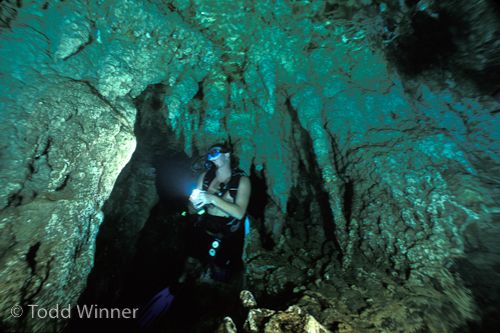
(137, 190)
(406, 164)
(68, 119)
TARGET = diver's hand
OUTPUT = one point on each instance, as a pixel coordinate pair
(206, 198)
(195, 199)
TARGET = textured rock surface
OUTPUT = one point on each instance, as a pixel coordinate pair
(128, 207)
(382, 182)
(394, 155)
(293, 319)
(247, 299)
(227, 326)
(67, 131)
(54, 180)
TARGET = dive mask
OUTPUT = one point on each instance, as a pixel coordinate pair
(214, 153)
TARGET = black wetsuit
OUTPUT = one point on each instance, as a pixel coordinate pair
(228, 233)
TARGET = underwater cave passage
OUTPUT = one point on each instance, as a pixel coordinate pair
(429, 45)
(177, 270)
(367, 131)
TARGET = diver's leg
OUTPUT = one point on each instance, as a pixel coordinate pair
(197, 249)
(228, 262)
(238, 266)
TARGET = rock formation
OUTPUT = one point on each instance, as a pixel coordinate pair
(371, 128)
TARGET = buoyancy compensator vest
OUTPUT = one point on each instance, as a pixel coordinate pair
(232, 187)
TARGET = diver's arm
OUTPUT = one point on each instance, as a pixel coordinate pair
(239, 208)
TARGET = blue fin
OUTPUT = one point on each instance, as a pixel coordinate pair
(159, 304)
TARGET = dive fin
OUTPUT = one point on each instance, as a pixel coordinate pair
(159, 304)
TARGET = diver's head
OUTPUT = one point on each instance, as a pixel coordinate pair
(219, 154)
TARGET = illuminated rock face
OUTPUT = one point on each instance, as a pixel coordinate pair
(366, 171)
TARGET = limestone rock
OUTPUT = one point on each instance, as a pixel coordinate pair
(293, 319)
(256, 319)
(378, 168)
(247, 299)
(227, 326)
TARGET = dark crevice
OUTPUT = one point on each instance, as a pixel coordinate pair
(83, 241)
(31, 170)
(45, 153)
(315, 179)
(157, 101)
(330, 7)
(340, 167)
(31, 257)
(27, 297)
(429, 45)
(172, 8)
(257, 204)
(496, 95)
(45, 149)
(63, 184)
(347, 202)
(27, 294)
(15, 200)
(117, 277)
(199, 94)
(78, 251)
(327, 217)
(83, 46)
(8, 12)
(153, 95)
(338, 159)
(280, 301)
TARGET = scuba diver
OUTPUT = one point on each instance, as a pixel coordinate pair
(219, 203)
(221, 200)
